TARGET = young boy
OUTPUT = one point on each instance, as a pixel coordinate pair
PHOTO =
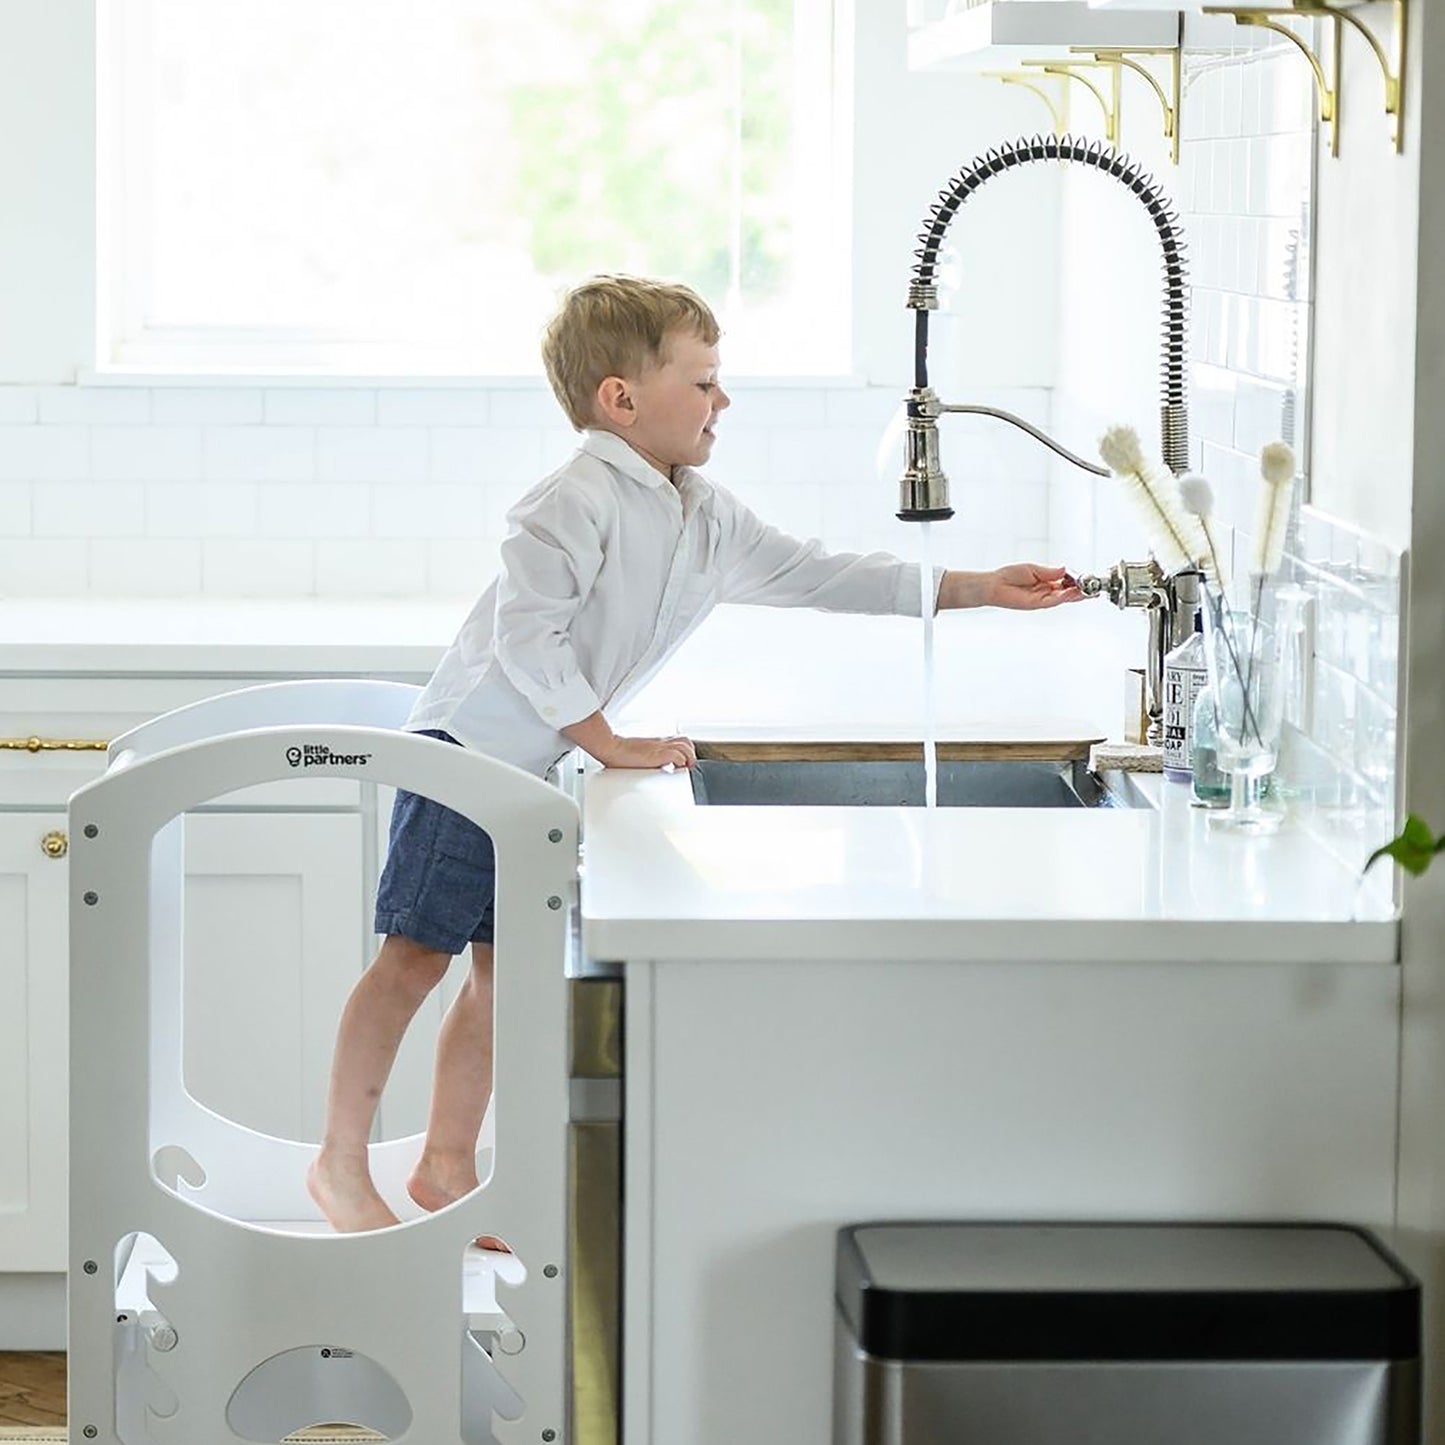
(612, 561)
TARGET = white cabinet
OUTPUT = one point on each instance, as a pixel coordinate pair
(33, 1066)
(771, 1101)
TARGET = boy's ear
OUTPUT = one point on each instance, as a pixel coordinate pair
(614, 401)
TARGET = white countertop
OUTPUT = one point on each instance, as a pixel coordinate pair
(246, 637)
(665, 878)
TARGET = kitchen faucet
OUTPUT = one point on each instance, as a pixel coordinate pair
(924, 487)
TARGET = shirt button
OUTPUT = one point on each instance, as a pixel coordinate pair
(549, 712)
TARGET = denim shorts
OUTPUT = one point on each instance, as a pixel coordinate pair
(439, 885)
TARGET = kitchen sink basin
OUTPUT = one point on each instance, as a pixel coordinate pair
(853, 783)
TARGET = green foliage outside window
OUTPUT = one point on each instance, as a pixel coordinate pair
(606, 182)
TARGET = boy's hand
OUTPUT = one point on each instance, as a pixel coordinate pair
(1024, 586)
(1027, 586)
(593, 735)
(648, 753)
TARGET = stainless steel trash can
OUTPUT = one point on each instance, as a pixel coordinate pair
(1123, 1334)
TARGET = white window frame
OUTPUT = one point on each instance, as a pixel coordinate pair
(128, 347)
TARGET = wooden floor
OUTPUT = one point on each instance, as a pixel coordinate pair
(32, 1389)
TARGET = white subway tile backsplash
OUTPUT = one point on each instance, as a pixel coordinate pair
(18, 405)
(15, 502)
(254, 567)
(853, 510)
(41, 567)
(371, 568)
(44, 453)
(742, 458)
(511, 456)
(202, 509)
(1250, 80)
(525, 406)
(88, 509)
(144, 567)
(260, 454)
(313, 510)
(466, 406)
(831, 456)
(145, 453)
(207, 406)
(796, 509)
(790, 407)
(435, 510)
(319, 406)
(372, 454)
(93, 406)
(461, 569)
(870, 407)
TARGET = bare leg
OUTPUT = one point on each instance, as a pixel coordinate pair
(382, 1004)
(461, 1089)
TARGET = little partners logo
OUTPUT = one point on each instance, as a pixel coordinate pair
(319, 755)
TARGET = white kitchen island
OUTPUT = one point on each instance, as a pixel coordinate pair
(837, 1015)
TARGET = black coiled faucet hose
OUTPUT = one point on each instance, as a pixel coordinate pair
(1173, 387)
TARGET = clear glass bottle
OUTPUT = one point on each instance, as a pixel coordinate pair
(1185, 675)
(1209, 783)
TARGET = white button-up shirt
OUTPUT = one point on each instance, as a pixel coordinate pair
(607, 569)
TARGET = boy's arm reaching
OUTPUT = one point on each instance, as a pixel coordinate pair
(766, 565)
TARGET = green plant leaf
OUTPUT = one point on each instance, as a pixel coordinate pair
(1414, 848)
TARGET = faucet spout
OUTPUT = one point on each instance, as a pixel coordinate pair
(924, 488)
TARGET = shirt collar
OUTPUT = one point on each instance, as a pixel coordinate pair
(615, 452)
(692, 486)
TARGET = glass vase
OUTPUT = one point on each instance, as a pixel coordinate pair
(1246, 632)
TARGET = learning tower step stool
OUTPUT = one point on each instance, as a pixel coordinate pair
(222, 1309)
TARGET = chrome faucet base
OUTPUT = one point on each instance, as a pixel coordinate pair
(1170, 601)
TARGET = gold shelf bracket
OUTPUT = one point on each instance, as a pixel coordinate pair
(1169, 101)
(1328, 88)
(1392, 65)
(1069, 70)
(1059, 109)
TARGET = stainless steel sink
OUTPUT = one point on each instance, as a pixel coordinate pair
(997, 783)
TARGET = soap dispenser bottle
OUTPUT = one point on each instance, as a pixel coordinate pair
(1185, 677)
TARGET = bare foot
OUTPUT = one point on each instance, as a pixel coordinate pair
(433, 1187)
(347, 1197)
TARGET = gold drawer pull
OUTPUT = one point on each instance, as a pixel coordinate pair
(55, 845)
(53, 745)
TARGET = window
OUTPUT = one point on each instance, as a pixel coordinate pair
(379, 187)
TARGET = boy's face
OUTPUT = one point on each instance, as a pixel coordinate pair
(667, 413)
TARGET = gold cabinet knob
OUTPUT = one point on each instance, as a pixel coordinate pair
(55, 845)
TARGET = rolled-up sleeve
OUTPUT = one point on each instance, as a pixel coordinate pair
(762, 565)
(549, 564)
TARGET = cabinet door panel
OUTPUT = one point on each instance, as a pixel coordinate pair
(34, 976)
(274, 940)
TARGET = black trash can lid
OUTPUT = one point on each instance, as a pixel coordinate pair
(945, 1291)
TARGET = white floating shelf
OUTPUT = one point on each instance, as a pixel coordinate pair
(1004, 32)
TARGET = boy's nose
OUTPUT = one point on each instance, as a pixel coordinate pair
(721, 400)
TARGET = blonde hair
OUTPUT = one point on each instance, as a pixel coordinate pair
(616, 326)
